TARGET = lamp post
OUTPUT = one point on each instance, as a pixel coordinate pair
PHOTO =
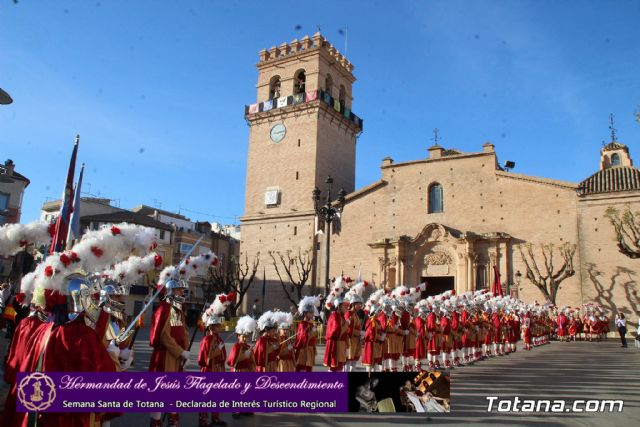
(328, 211)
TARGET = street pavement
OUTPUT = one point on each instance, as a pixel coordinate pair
(570, 371)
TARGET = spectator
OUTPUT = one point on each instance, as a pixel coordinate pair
(621, 324)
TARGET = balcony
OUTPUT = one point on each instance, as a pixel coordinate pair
(301, 98)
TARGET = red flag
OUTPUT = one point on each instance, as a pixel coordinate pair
(497, 286)
(59, 239)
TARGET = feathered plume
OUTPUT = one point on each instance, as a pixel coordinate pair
(307, 302)
(218, 306)
(96, 251)
(14, 237)
(246, 325)
(339, 287)
(132, 269)
(267, 320)
(192, 266)
(357, 289)
(284, 320)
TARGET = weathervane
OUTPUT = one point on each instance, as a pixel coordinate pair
(613, 130)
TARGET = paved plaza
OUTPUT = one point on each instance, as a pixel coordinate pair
(570, 371)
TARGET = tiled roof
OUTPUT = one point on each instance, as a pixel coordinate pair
(611, 180)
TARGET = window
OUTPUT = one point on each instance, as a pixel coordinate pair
(481, 277)
(161, 234)
(95, 226)
(342, 96)
(299, 82)
(274, 87)
(435, 198)
(328, 84)
(615, 159)
(4, 205)
(185, 247)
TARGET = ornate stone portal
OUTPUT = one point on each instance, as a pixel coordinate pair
(439, 251)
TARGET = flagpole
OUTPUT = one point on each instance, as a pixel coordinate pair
(59, 238)
(74, 224)
(264, 286)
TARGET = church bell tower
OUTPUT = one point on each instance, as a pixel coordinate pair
(301, 130)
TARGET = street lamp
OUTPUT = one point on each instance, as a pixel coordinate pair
(5, 99)
(328, 212)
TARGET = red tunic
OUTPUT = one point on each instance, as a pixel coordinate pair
(21, 358)
(421, 338)
(238, 361)
(456, 343)
(445, 325)
(72, 347)
(157, 363)
(332, 358)
(465, 324)
(266, 354)
(207, 346)
(432, 324)
(562, 325)
(497, 328)
(305, 345)
(371, 336)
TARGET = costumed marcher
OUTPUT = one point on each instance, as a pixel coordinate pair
(286, 355)
(267, 346)
(169, 338)
(213, 353)
(241, 357)
(306, 336)
(355, 331)
(337, 336)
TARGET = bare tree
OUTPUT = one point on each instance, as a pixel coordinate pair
(548, 280)
(626, 224)
(237, 275)
(293, 270)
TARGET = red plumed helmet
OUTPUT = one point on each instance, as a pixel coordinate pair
(214, 262)
(222, 298)
(365, 283)
(231, 296)
(20, 297)
(115, 230)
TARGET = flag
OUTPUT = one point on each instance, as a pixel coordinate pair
(74, 226)
(283, 101)
(59, 239)
(311, 95)
(253, 108)
(497, 287)
(267, 105)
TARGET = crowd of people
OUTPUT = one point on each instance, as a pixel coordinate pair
(74, 321)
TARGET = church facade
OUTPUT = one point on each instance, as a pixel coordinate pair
(452, 219)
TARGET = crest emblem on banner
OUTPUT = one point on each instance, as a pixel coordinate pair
(37, 391)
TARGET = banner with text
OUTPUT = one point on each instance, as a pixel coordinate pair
(182, 392)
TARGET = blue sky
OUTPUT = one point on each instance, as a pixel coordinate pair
(157, 89)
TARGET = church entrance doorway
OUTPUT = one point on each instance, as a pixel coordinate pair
(437, 285)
